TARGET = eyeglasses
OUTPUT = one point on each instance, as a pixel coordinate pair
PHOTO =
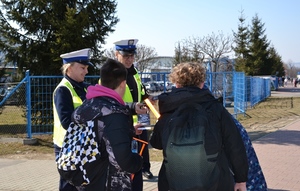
(127, 56)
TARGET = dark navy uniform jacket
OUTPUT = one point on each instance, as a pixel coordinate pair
(63, 100)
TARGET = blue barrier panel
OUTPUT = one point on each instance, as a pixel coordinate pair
(239, 93)
(221, 85)
(235, 88)
(260, 89)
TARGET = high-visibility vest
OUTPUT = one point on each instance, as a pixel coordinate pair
(128, 97)
(58, 131)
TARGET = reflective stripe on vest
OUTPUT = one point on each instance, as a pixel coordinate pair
(59, 132)
(128, 97)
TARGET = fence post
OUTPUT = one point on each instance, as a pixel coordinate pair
(29, 140)
(28, 104)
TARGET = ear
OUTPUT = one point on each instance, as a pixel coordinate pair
(123, 84)
(201, 85)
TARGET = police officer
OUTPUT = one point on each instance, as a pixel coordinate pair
(125, 51)
(68, 95)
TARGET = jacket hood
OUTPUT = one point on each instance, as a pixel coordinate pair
(170, 101)
(97, 107)
(99, 90)
(101, 101)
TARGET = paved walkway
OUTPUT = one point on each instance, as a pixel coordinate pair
(278, 153)
(41, 175)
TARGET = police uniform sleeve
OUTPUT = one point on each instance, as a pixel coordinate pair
(64, 105)
(118, 131)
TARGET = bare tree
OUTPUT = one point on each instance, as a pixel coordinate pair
(143, 57)
(291, 70)
(213, 47)
(109, 53)
(188, 51)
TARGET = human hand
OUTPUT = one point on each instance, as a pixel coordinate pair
(141, 108)
(137, 131)
(240, 186)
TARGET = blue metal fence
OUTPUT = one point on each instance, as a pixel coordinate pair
(40, 92)
(260, 89)
(240, 96)
(236, 89)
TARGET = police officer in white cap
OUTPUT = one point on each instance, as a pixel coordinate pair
(134, 93)
(68, 95)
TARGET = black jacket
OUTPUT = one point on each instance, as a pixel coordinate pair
(233, 154)
(115, 126)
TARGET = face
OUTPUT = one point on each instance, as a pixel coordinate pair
(77, 71)
(123, 88)
(127, 60)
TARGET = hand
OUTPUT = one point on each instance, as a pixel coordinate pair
(138, 132)
(240, 186)
(141, 108)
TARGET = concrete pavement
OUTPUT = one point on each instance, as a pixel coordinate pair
(278, 153)
(41, 175)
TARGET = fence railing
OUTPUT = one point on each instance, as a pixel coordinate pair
(26, 107)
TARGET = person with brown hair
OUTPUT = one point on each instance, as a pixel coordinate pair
(231, 166)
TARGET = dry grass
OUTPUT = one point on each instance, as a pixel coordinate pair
(271, 115)
(6, 116)
(268, 116)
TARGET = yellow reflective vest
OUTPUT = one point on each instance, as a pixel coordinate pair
(128, 97)
(58, 131)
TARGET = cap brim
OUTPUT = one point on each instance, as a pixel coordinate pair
(87, 63)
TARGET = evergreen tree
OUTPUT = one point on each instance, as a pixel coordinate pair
(46, 29)
(241, 40)
(258, 61)
(277, 66)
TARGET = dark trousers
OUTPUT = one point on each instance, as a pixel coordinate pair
(137, 183)
(146, 158)
(63, 184)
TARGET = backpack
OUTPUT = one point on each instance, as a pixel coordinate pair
(78, 161)
(193, 148)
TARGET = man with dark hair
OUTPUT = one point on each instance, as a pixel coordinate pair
(112, 74)
(105, 108)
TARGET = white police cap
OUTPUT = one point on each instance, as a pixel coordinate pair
(81, 56)
(126, 46)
